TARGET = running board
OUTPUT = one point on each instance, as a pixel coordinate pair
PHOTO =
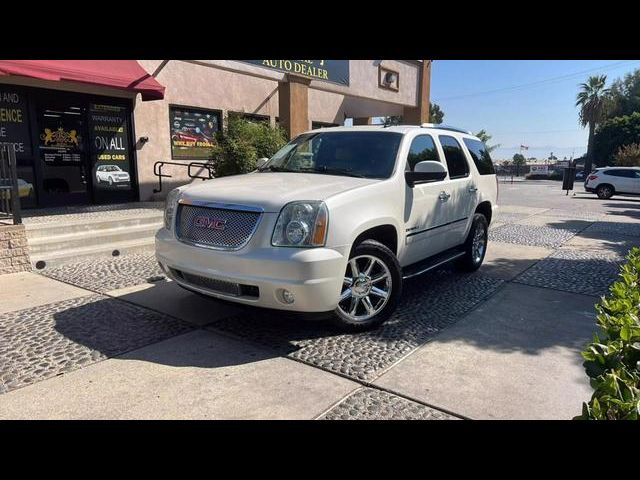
(431, 263)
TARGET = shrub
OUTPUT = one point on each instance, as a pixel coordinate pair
(243, 143)
(613, 362)
(628, 155)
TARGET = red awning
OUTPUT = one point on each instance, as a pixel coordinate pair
(122, 74)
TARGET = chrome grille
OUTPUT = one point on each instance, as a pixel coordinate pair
(215, 227)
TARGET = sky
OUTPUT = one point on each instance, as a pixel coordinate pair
(530, 102)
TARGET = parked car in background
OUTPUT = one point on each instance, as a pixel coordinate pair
(335, 221)
(24, 188)
(608, 181)
(580, 175)
(111, 174)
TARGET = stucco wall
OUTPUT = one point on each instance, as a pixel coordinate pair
(215, 84)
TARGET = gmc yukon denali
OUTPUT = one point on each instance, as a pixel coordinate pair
(335, 221)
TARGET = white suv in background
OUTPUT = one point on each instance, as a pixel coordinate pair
(111, 174)
(608, 181)
(334, 221)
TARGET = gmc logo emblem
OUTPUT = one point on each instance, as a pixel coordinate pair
(210, 222)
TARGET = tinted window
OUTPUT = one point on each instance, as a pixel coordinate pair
(620, 173)
(358, 154)
(456, 161)
(480, 155)
(422, 149)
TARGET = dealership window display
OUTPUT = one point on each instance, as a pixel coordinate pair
(193, 132)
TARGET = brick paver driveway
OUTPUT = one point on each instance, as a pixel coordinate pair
(173, 354)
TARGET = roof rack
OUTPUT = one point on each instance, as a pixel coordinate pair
(445, 127)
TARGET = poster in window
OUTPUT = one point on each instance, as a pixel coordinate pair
(14, 125)
(193, 133)
(110, 151)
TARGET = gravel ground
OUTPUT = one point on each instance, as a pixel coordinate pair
(372, 404)
(538, 236)
(49, 340)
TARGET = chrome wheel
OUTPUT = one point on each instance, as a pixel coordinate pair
(366, 288)
(479, 244)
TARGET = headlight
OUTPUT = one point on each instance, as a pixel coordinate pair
(170, 207)
(301, 224)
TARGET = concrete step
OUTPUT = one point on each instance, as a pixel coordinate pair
(104, 237)
(70, 255)
(65, 227)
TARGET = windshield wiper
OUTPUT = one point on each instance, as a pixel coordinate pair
(337, 171)
(273, 168)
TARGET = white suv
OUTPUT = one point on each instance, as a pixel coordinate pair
(334, 221)
(607, 181)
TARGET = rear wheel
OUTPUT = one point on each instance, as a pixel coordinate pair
(371, 288)
(604, 191)
(475, 247)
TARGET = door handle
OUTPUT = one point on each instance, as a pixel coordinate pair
(473, 189)
(444, 196)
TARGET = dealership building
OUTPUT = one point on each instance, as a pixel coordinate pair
(91, 131)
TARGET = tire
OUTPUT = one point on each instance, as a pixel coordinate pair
(386, 274)
(605, 191)
(110, 182)
(475, 246)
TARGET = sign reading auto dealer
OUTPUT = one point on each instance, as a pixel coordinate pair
(336, 71)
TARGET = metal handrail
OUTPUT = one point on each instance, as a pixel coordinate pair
(9, 194)
(157, 171)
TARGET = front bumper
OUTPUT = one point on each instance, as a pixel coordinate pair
(313, 275)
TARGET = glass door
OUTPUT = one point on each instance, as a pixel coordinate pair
(62, 152)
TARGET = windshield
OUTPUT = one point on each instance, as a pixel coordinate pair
(112, 168)
(356, 154)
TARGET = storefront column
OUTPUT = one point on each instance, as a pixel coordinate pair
(420, 114)
(363, 121)
(293, 98)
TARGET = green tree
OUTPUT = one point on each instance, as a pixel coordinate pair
(624, 95)
(593, 102)
(485, 137)
(518, 161)
(436, 115)
(613, 134)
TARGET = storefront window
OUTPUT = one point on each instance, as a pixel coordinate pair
(193, 132)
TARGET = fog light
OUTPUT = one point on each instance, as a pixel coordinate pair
(288, 297)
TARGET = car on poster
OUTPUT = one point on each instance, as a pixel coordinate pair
(335, 221)
(111, 174)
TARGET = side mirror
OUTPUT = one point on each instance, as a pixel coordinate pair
(425, 172)
(261, 162)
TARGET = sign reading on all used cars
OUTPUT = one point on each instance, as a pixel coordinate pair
(14, 126)
(109, 146)
(336, 71)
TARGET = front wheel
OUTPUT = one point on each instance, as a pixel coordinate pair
(371, 288)
(475, 247)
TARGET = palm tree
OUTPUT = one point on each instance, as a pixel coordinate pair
(484, 138)
(592, 100)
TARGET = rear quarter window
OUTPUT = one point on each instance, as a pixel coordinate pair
(480, 156)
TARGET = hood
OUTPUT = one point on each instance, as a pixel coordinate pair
(271, 190)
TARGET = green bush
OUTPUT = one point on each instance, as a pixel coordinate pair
(243, 143)
(628, 155)
(613, 362)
